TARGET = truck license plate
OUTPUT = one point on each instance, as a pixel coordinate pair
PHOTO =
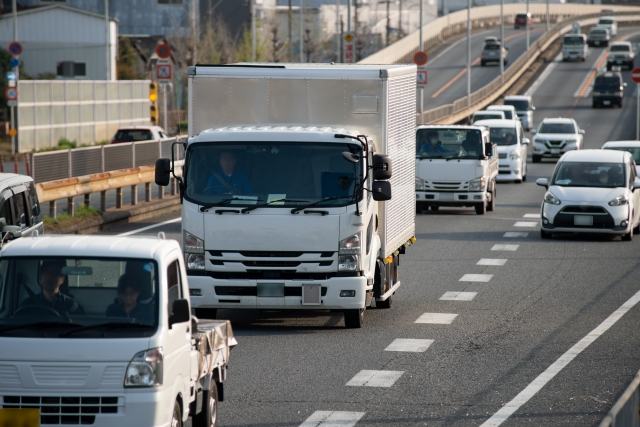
(555, 151)
(606, 102)
(583, 220)
(23, 417)
(311, 294)
(270, 290)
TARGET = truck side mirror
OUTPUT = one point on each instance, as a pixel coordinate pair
(13, 230)
(488, 149)
(382, 167)
(163, 170)
(180, 312)
(381, 191)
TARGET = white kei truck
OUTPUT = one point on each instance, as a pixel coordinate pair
(287, 186)
(455, 166)
(98, 331)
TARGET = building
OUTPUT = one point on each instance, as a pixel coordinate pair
(62, 41)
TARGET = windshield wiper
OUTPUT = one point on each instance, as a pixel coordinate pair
(250, 208)
(40, 325)
(108, 326)
(222, 203)
(301, 208)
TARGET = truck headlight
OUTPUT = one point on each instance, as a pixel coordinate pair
(145, 369)
(349, 251)
(419, 184)
(477, 184)
(192, 244)
(194, 261)
(619, 201)
(551, 199)
(348, 263)
(514, 155)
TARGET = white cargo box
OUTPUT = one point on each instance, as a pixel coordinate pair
(374, 100)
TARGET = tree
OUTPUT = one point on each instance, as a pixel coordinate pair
(127, 63)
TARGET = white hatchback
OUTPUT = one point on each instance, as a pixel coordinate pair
(592, 191)
(554, 137)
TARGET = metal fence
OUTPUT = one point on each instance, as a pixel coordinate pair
(625, 411)
(76, 162)
(84, 111)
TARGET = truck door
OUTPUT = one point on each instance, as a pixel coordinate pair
(178, 346)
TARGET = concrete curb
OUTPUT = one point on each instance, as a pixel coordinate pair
(117, 217)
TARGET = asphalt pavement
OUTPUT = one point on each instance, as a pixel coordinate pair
(487, 311)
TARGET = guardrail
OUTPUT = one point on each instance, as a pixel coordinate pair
(625, 411)
(464, 107)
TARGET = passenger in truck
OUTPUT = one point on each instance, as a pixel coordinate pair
(432, 145)
(227, 180)
(127, 305)
(51, 279)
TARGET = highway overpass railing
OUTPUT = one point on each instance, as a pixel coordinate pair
(625, 411)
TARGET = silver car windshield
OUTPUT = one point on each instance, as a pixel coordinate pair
(591, 174)
(78, 297)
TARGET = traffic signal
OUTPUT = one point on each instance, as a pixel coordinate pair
(153, 97)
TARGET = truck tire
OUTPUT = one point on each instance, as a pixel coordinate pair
(354, 319)
(536, 159)
(481, 208)
(206, 313)
(435, 208)
(384, 304)
(482, 63)
(208, 417)
(176, 418)
(492, 204)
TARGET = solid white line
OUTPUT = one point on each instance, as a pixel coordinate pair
(492, 261)
(505, 248)
(516, 234)
(476, 278)
(536, 385)
(458, 296)
(333, 419)
(525, 224)
(366, 378)
(149, 227)
(410, 345)
(437, 318)
(547, 71)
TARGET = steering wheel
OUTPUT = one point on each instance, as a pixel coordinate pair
(221, 186)
(29, 309)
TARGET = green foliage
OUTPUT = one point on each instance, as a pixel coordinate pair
(64, 144)
(183, 127)
(245, 50)
(81, 212)
(127, 61)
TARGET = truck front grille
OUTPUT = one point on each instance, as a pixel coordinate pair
(289, 291)
(58, 410)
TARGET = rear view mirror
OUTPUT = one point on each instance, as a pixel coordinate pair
(381, 167)
(636, 184)
(180, 312)
(582, 131)
(488, 149)
(533, 131)
(533, 108)
(351, 157)
(525, 141)
(381, 191)
(543, 182)
(13, 230)
(163, 170)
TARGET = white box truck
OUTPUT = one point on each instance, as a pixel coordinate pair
(297, 186)
(97, 330)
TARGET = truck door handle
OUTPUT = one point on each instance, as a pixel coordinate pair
(323, 213)
(223, 211)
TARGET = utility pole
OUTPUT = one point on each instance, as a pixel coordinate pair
(194, 18)
(301, 32)
(14, 110)
(548, 23)
(290, 32)
(399, 19)
(469, 53)
(420, 47)
(107, 38)
(527, 24)
(348, 16)
(388, 23)
(502, 40)
(338, 35)
(253, 30)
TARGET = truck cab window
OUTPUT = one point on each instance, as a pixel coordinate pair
(174, 283)
(19, 210)
(5, 212)
(33, 201)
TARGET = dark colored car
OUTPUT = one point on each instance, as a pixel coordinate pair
(522, 19)
(608, 89)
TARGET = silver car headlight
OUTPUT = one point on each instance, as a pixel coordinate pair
(419, 184)
(551, 199)
(619, 201)
(349, 253)
(477, 184)
(514, 155)
(145, 369)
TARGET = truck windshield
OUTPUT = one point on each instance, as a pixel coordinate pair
(592, 174)
(278, 173)
(78, 297)
(503, 136)
(519, 105)
(606, 84)
(448, 143)
(573, 41)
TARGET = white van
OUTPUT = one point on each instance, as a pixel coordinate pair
(524, 109)
(574, 46)
(20, 212)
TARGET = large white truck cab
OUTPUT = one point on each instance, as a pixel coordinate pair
(97, 330)
(455, 166)
(297, 186)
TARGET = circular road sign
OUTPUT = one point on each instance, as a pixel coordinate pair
(420, 58)
(635, 75)
(11, 93)
(13, 132)
(15, 48)
(163, 51)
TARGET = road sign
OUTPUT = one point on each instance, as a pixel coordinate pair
(14, 62)
(11, 79)
(420, 58)
(163, 71)
(635, 75)
(11, 94)
(349, 48)
(15, 48)
(421, 77)
(163, 51)
(13, 132)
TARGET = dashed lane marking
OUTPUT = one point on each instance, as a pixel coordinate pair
(511, 248)
(492, 261)
(536, 385)
(437, 318)
(149, 227)
(516, 234)
(409, 345)
(531, 215)
(476, 278)
(525, 224)
(375, 378)
(458, 296)
(333, 419)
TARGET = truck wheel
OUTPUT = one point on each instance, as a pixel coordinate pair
(384, 304)
(536, 159)
(176, 419)
(354, 319)
(481, 208)
(492, 203)
(435, 208)
(482, 63)
(206, 313)
(208, 417)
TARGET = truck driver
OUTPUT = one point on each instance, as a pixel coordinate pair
(227, 180)
(51, 279)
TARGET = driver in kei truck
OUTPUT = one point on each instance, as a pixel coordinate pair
(51, 279)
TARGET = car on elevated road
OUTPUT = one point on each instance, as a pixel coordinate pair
(592, 191)
(554, 137)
